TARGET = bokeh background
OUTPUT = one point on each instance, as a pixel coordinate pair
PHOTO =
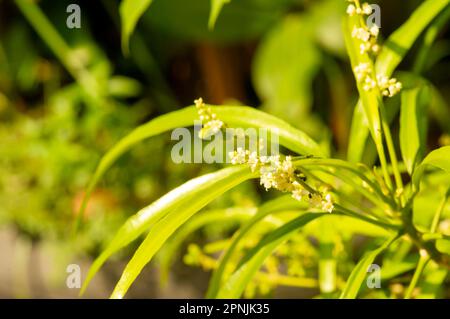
(65, 103)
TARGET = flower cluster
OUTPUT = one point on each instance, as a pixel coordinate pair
(368, 37)
(353, 9)
(388, 87)
(211, 125)
(280, 174)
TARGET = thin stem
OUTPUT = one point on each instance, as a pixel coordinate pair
(423, 261)
(208, 262)
(438, 214)
(346, 211)
(351, 168)
(358, 188)
(392, 153)
(341, 195)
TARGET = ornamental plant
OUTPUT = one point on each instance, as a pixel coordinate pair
(320, 202)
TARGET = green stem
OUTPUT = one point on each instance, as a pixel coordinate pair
(349, 167)
(438, 214)
(346, 211)
(392, 153)
(423, 261)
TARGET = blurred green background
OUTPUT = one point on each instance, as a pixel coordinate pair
(67, 95)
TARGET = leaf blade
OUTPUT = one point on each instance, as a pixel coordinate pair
(188, 194)
(168, 224)
(401, 41)
(244, 117)
(438, 158)
(279, 204)
(130, 12)
(255, 258)
(359, 272)
(412, 128)
(216, 7)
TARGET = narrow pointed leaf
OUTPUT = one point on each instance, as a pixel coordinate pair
(358, 134)
(188, 198)
(412, 126)
(280, 204)
(167, 225)
(397, 46)
(242, 117)
(251, 263)
(216, 7)
(130, 12)
(439, 159)
(401, 41)
(359, 273)
(171, 248)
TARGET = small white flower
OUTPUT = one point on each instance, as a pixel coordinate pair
(351, 10)
(367, 8)
(375, 48)
(374, 30)
(315, 200)
(238, 156)
(299, 193)
(361, 34)
(327, 204)
(388, 87)
(212, 124)
(362, 70)
(369, 84)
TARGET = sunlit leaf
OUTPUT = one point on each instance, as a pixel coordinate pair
(130, 12)
(436, 159)
(280, 204)
(413, 119)
(401, 41)
(251, 262)
(443, 245)
(239, 117)
(397, 46)
(358, 134)
(359, 273)
(216, 7)
(168, 224)
(237, 214)
(182, 201)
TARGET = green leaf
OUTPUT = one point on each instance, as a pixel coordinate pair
(436, 159)
(282, 203)
(130, 12)
(443, 245)
(370, 100)
(254, 259)
(358, 274)
(401, 41)
(393, 52)
(242, 117)
(180, 202)
(181, 212)
(358, 134)
(216, 7)
(166, 257)
(413, 120)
